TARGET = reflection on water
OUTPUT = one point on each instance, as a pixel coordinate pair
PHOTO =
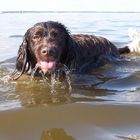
(55, 134)
(114, 82)
(32, 91)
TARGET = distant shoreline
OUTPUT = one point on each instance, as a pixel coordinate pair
(70, 12)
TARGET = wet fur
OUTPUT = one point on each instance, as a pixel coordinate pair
(78, 52)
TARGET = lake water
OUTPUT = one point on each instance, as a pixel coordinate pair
(99, 106)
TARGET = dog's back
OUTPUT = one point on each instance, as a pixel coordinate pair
(91, 45)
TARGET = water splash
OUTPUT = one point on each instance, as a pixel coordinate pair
(33, 73)
(59, 78)
(53, 83)
(66, 79)
(5, 77)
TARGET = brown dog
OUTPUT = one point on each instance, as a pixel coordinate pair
(49, 45)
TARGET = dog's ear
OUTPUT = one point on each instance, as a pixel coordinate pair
(22, 56)
(22, 61)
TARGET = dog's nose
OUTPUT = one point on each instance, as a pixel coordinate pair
(48, 51)
(44, 51)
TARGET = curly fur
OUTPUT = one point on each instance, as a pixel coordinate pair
(78, 52)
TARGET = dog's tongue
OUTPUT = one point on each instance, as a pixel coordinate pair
(47, 66)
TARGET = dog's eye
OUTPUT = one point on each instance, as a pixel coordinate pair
(36, 37)
(54, 34)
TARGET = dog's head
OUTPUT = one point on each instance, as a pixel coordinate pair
(43, 45)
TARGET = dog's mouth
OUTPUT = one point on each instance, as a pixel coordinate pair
(47, 66)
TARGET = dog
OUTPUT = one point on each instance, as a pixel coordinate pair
(48, 46)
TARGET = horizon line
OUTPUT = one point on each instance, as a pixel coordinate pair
(32, 11)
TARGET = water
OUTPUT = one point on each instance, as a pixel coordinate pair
(106, 101)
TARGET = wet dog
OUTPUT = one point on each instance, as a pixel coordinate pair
(48, 46)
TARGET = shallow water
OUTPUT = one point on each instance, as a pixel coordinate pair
(106, 101)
